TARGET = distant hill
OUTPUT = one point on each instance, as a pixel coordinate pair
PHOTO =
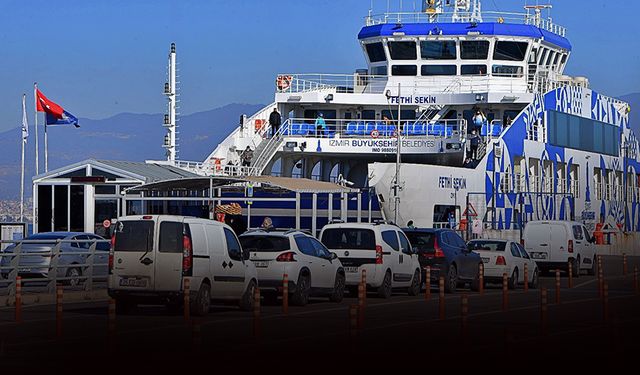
(125, 136)
(634, 116)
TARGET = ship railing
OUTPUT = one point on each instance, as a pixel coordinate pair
(334, 83)
(487, 16)
(574, 187)
(214, 169)
(350, 128)
(262, 158)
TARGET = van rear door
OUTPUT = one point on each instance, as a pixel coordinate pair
(354, 246)
(559, 242)
(538, 241)
(168, 265)
(133, 265)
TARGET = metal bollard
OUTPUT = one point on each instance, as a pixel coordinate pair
(285, 294)
(360, 306)
(257, 329)
(570, 280)
(441, 298)
(353, 320)
(464, 315)
(187, 304)
(59, 296)
(600, 277)
(543, 311)
(636, 287)
(605, 302)
(481, 276)
(526, 277)
(364, 286)
(625, 266)
(427, 285)
(557, 286)
(196, 337)
(505, 292)
(18, 299)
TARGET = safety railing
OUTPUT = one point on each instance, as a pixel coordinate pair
(348, 128)
(77, 263)
(262, 158)
(487, 16)
(338, 83)
(215, 169)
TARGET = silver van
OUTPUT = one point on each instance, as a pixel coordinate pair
(152, 256)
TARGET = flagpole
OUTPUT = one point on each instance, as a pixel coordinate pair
(35, 126)
(23, 140)
(46, 147)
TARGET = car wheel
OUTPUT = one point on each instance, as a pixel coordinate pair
(575, 263)
(451, 280)
(247, 301)
(592, 271)
(475, 284)
(73, 275)
(416, 284)
(534, 280)
(200, 306)
(384, 290)
(512, 283)
(303, 288)
(338, 289)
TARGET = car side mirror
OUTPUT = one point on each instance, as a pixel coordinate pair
(333, 256)
(592, 239)
(246, 254)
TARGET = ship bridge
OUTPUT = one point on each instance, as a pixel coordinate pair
(427, 74)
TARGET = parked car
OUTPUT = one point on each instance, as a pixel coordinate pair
(312, 269)
(505, 257)
(36, 256)
(382, 250)
(153, 255)
(555, 244)
(446, 253)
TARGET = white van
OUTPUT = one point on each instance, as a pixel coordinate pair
(553, 244)
(381, 249)
(152, 255)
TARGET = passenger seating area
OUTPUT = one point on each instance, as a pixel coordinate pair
(493, 130)
(361, 128)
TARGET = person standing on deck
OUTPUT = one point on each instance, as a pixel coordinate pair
(275, 120)
(321, 126)
(474, 142)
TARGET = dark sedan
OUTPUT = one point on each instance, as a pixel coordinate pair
(446, 253)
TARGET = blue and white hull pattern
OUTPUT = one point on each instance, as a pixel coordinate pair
(528, 173)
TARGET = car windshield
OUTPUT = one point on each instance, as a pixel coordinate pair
(265, 243)
(486, 245)
(349, 238)
(422, 241)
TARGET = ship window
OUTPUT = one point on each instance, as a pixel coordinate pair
(407, 114)
(466, 70)
(439, 70)
(438, 50)
(510, 51)
(564, 60)
(474, 49)
(403, 50)
(375, 52)
(543, 56)
(583, 133)
(369, 114)
(379, 70)
(404, 70)
(506, 71)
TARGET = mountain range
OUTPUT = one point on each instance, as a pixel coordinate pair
(125, 136)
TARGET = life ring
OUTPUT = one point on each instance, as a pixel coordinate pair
(218, 165)
(283, 82)
(375, 134)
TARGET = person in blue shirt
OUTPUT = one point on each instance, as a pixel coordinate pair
(479, 119)
(321, 126)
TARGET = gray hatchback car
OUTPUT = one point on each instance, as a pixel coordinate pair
(35, 259)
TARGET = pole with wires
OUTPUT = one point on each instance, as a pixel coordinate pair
(396, 187)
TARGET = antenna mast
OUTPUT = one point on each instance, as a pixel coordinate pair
(170, 119)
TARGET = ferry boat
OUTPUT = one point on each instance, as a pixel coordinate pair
(438, 83)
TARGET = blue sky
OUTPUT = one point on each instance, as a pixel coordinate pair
(102, 57)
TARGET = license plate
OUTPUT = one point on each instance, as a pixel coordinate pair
(351, 269)
(261, 263)
(538, 255)
(485, 260)
(134, 282)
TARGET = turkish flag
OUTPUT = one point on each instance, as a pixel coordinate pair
(45, 105)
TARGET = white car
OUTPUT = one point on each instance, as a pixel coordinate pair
(500, 257)
(153, 255)
(311, 268)
(381, 249)
(555, 244)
